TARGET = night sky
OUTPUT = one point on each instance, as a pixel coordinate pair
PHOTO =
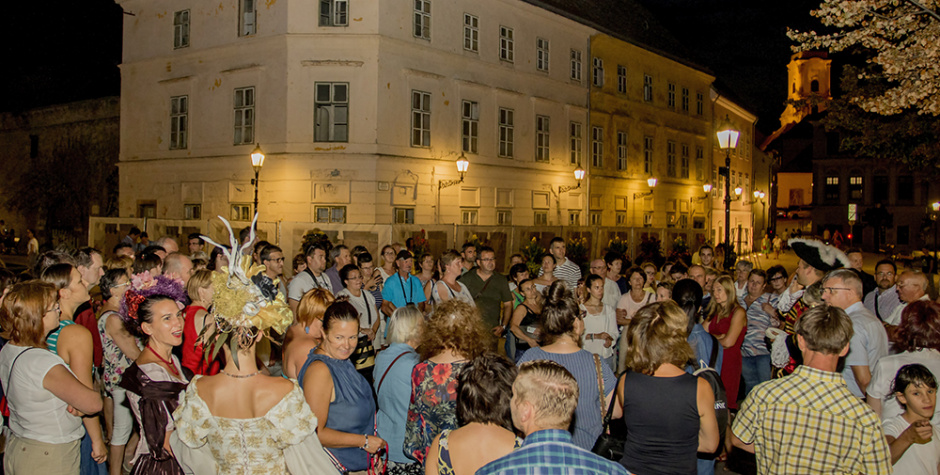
(65, 50)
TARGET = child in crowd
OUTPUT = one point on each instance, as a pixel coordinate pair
(913, 440)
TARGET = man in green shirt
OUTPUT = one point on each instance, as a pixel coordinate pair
(490, 291)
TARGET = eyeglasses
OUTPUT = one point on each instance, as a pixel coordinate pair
(55, 308)
(832, 290)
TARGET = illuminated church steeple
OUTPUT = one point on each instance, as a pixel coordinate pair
(809, 77)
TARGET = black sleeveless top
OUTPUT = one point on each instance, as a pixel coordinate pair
(530, 319)
(662, 421)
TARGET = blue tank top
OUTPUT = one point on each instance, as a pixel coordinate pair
(52, 341)
(353, 410)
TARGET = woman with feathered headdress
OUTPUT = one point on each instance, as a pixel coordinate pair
(218, 413)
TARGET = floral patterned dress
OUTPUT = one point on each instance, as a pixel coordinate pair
(433, 406)
(115, 361)
(280, 442)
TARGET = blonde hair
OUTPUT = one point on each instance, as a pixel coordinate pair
(658, 334)
(552, 391)
(405, 325)
(201, 279)
(123, 262)
(716, 310)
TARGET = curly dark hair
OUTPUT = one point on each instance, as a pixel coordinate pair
(457, 326)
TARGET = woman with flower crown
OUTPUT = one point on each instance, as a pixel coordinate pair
(153, 311)
(241, 421)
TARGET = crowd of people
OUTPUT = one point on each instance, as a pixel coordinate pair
(155, 361)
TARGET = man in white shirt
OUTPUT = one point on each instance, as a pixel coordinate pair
(843, 288)
(564, 269)
(884, 299)
(912, 285)
(310, 278)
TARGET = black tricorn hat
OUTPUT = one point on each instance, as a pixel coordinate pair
(819, 254)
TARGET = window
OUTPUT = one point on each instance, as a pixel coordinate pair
(192, 211)
(699, 163)
(597, 147)
(240, 212)
(671, 96)
(880, 184)
(470, 125)
(244, 115)
(621, 79)
(648, 219)
(331, 112)
(621, 150)
(647, 154)
(330, 214)
(671, 159)
(181, 29)
(179, 122)
(541, 218)
(905, 188)
(699, 103)
(671, 220)
(422, 26)
(505, 132)
(248, 16)
(685, 100)
(574, 217)
(855, 188)
(542, 125)
(334, 13)
(595, 218)
(147, 210)
(832, 188)
(505, 44)
(541, 54)
(576, 65)
(469, 216)
(33, 146)
(420, 119)
(684, 164)
(503, 217)
(598, 72)
(621, 218)
(647, 88)
(471, 33)
(683, 221)
(575, 135)
(404, 215)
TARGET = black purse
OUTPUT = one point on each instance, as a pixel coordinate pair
(612, 439)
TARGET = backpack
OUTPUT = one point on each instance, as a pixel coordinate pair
(710, 374)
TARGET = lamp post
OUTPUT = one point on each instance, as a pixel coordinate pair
(936, 209)
(257, 161)
(727, 140)
(759, 195)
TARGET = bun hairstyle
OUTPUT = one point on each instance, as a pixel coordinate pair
(688, 295)
(559, 312)
(339, 311)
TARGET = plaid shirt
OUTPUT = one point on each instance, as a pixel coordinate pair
(550, 452)
(809, 422)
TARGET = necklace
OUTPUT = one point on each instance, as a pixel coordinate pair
(240, 376)
(169, 364)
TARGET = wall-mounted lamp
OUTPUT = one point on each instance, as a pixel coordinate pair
(462, 165)
(652, 184)
(578, 175)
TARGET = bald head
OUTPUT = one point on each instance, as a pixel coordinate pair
(697, 273)
(912, 285)
(599, 267)
(178, 266)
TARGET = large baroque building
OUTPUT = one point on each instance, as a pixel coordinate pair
(363, 109)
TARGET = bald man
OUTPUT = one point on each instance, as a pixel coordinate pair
(912, 286)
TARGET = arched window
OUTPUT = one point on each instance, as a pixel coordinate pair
(814, 86)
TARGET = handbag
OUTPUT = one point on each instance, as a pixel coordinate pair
(364, 356)
(610, 443)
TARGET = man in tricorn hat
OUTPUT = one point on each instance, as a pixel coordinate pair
(816, 258)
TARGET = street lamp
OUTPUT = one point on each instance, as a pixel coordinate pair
(578, 175)
(462, 165)
(727, 140)
(257, 161)
(759, 195)
(936, 209)
(651, 181)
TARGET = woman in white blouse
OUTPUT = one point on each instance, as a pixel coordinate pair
(600, 322)
(364, 302)
(46, 401)
(448, 288)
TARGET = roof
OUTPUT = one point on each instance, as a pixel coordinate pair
(625, 20)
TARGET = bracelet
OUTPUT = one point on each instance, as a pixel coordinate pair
(365, 446)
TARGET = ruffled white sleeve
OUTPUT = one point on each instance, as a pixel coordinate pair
(297, 425)
(189, 440)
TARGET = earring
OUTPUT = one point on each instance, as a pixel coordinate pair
(307, 330)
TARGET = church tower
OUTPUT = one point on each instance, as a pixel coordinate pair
(809, 79)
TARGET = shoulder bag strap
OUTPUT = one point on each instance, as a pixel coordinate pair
(610, 408)
(600, 381)
(382, 379)
(12, 365)
(485, 285)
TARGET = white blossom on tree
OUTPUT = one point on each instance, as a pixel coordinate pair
(903, 40)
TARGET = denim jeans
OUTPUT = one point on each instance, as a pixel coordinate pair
(755, 370)
(87, 465)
